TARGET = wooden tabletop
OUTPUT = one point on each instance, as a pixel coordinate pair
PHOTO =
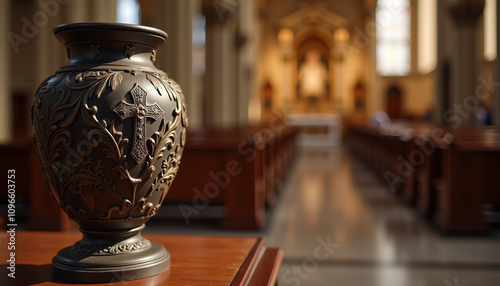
(195, 260)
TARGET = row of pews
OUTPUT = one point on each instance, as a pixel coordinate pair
(35, 207)
(239, 170)
(448, 175)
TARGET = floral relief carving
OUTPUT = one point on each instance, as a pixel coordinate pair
(129, 51)
(95, 49)
(164, 85)
(108, 144)
(89, 180)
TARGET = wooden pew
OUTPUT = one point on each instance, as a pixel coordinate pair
(263, 156)
(16, 156)
(220, 168)
(285, 149)
(240, 169)
(45, 212)
(31, 188)
(382, 149)
(415, 151)
(449, 174)
(470, 164)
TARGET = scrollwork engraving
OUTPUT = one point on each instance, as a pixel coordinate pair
(86, 178)
(87, 248)
(164, 84)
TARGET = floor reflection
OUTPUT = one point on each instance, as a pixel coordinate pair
(380, 240)
(333, 204)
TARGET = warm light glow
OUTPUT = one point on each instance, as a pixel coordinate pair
(427, 35)
(393, 37)
(128, 11)
(285, 37)
(490, 30)
(341, 36)
(313, 75)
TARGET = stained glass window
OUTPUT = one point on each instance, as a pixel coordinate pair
(393, 37)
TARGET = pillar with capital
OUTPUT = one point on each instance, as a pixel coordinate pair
(176, 56)
(220, 96)
(465, 15)
(285, 40)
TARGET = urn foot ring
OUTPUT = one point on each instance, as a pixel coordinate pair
(77, 268)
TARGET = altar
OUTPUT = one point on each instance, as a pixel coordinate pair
(317, 129)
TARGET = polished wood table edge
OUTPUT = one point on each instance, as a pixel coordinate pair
(248, 264)
(254, 263)
(268, 268)
(260, 267)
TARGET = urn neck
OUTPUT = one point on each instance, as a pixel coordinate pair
(92, 45)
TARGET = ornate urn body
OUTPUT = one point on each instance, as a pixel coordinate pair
(109, 130)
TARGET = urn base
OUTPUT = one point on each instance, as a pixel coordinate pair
(110, 256)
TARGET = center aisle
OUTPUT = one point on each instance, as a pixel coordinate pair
(338, 224)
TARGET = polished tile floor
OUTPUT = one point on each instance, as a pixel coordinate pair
(339, 225)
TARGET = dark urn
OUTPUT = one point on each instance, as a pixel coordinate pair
(109, 130)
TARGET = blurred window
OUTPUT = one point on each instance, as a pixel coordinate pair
(393, 37)
(199, 40)
(128, 12)
(427, 35)
(490, 30)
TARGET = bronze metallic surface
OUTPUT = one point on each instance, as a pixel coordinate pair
(110, 129)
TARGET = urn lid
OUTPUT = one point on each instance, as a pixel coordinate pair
(96, 31)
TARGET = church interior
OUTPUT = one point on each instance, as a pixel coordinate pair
(367, 130)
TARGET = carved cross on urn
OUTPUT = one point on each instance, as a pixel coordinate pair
(141, 111)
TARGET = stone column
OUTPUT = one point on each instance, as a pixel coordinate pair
(285, 40)
(465, 63)
(439, 88)
(176, 55)
(288, 93)
(103, 11)
(50, 53)
(496, 72)
(220, 98)
(77, 11)
(247, 56)
(338, 83)
(5, 92)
